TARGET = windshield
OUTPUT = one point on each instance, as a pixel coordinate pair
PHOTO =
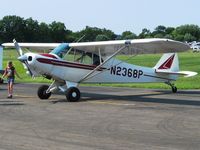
(61, 50)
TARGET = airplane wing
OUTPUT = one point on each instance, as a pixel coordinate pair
(39, 46)
(136, 46)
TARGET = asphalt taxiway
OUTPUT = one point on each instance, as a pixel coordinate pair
(105, 118)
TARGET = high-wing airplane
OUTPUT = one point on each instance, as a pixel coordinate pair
(70, 64)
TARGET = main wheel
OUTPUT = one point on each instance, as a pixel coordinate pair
(73, 94)
(174, 89)
(42, 92)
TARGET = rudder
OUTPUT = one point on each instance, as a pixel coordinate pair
(168, 63)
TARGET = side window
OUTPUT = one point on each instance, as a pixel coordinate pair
(82, 57)
(69, 56)
(78, 56)
(96, 60)
(87, 59)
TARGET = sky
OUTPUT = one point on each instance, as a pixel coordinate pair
(115, 15)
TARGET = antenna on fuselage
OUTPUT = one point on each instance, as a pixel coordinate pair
(75, 42)
(80, 39)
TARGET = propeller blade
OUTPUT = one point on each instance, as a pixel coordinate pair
(18, 48)
(22, 58)
(29, 70)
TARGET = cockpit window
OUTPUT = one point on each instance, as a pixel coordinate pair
(75, 55)
(83, 57)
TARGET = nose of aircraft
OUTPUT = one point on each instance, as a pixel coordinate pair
(22, 58)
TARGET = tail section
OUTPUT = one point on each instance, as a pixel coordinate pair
(169, 64)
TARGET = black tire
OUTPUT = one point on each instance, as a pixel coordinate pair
(42, 92)
(174, 89)
(73, 94)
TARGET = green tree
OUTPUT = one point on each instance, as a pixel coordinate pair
(12, 27)
(159, 35)
(145, 33)
(189, 38)
(44, 34)
(168, 36)
(110, 34)
(31, 30)
(91, 33)
(159, 32)
(128, 35)
(169, 30)
(58, 31)
(101, 37)
(185, 30)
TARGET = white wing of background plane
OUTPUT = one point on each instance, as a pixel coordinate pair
(136, 46)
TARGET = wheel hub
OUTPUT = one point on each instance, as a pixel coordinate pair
(74, 94)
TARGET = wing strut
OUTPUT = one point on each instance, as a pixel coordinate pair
(127, 43)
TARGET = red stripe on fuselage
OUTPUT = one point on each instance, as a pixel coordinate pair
(67, 64)
(49, 55)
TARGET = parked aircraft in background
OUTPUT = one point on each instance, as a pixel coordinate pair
(70, 64)
(195, 46)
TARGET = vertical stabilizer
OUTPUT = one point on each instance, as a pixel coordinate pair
(168, 63)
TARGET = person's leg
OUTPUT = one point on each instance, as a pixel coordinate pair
(8, 86)
(11, 89)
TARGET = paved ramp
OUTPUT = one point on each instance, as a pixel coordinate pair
(105, 118)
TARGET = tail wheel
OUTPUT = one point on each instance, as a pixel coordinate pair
(73, 94)
(42, 92)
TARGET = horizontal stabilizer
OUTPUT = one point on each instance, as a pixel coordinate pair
(184, 73)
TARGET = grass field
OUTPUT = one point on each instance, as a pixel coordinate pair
(188, 61)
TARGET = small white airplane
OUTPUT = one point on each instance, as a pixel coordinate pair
(69, 64)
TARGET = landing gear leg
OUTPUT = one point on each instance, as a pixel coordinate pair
(174, 88)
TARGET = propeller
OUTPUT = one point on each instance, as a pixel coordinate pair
(18, 48)
(23, 58)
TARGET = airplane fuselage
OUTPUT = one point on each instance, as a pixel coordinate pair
(114, 71)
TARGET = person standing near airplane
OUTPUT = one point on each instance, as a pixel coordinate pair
(10, 73)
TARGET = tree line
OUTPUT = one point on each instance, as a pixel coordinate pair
(29, 30)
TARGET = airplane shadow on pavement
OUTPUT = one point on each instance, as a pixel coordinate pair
(162, 97)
